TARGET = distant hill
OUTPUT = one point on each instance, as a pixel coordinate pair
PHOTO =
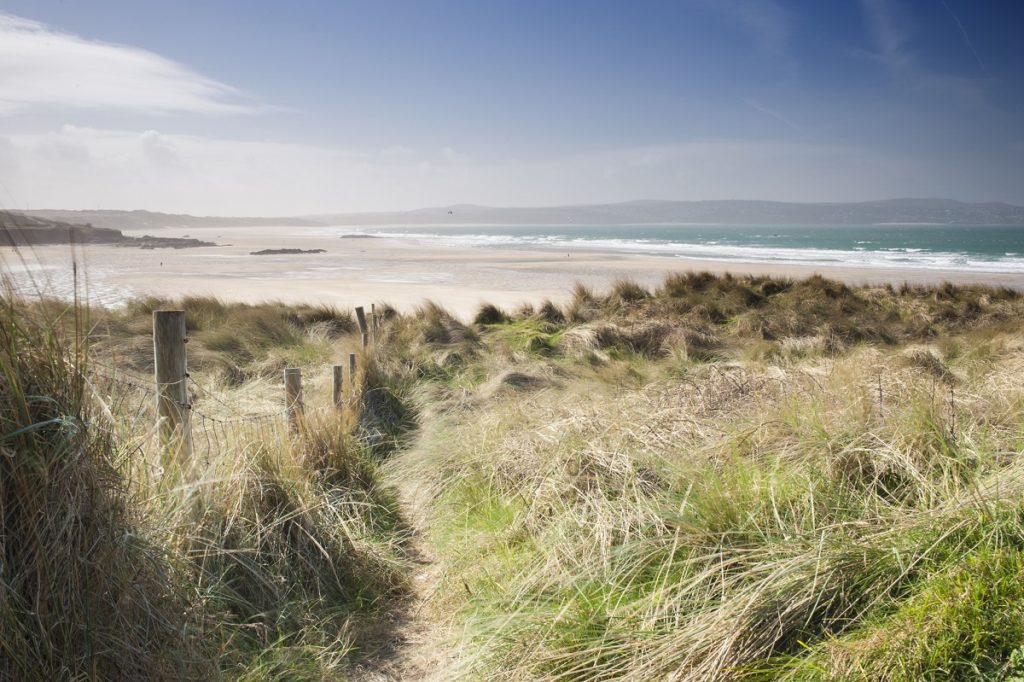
(941, 211)
(150, 220)
(17, 229)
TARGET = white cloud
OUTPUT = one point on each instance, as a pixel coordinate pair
(78, 167)
(44, 67)
(160, 151)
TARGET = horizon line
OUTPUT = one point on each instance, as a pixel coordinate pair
(523, 207)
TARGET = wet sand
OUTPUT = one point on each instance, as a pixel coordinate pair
(403, 272)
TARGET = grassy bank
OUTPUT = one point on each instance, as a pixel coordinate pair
(729, 478)
(725, 478)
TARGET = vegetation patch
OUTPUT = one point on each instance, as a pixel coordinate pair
(724, 478)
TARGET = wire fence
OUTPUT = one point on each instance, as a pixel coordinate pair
(137, 408)
(128, 408)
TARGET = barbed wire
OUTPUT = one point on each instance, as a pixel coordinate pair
(92, 364)
(117, 388)
(212, 428)
(223, 402)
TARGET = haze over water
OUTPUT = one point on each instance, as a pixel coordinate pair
(978, 248)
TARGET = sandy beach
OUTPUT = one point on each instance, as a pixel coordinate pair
(403, 272)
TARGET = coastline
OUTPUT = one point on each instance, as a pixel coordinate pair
(360, 270)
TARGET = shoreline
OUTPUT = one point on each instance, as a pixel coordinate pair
(360, 270)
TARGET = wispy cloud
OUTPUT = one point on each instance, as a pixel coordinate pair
(781, 118)
(765, 23)
(77, 167)
(889, 30)
(764, 20)
(43, 67)
(963, 32)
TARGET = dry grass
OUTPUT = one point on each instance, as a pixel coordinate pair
(86, 586)
(715, 527)
(713, 498)
(724, 478)
(264, 554)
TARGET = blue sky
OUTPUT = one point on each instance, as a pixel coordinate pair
(302, 107)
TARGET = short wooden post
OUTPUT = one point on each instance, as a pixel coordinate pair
(351, 374)
(363, 329)
(293, 396)
(374, 322)
(339, 378)
(171, 375)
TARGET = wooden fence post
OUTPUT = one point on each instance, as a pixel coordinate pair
(373, 319)
(351, 375)
(293, 396)
(171, 375)
(363, 329)
(339, 378)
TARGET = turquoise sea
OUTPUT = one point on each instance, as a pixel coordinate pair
(977, 248)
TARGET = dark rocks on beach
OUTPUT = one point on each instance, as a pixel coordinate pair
(150, 242)
(284, 252)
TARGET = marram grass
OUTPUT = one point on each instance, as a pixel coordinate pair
(844, 506)
(726, 478)
(263, 556)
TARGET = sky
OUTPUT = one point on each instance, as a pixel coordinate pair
(262, 107)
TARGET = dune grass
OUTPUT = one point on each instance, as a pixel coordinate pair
(725, 478)
(737, 478)
(666, 532)
(265, 555)
(86, 586)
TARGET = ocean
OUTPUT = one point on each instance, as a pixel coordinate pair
(977, 248)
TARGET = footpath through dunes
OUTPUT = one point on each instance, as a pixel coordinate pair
(414, 641)
(726, 478)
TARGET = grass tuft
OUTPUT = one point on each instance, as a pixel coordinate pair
(490, 314)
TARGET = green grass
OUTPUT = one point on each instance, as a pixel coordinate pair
(821, 511)
(963, 621)
(531, 336)
(725, 478)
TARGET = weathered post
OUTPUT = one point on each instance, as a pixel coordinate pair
(363, 329)
(352, 374)
(339, 378)
(171, 376)
(293, 396)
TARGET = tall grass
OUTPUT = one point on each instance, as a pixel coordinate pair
(293, 545)
(668, 534)
(85, 586)
(267, 556)
(813, 499)
(725, 478)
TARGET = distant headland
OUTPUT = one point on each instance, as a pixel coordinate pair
(21, 230)
(740, 212)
